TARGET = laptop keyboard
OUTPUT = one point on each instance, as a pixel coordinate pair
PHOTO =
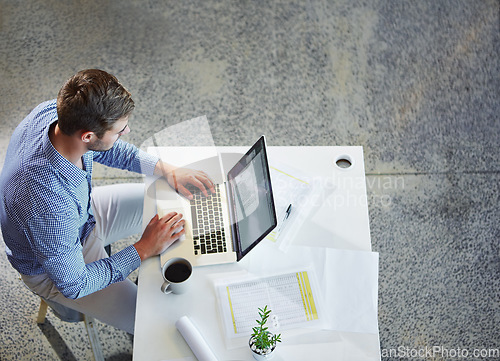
(207, 224)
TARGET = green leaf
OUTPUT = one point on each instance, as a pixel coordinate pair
(261, 336)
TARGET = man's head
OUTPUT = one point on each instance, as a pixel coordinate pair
(92, 101)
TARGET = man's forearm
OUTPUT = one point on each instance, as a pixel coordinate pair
(124, 155)
(162, 168)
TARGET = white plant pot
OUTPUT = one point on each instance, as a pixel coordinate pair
(261, 354)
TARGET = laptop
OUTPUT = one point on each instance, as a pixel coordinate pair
(225, 226)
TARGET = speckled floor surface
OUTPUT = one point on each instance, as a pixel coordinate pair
(416, 83)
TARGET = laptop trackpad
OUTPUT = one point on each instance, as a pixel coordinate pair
(163, 191)
(165, 207)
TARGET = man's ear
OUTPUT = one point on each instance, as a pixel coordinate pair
(87, 136)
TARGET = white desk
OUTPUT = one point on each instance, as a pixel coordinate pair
(340, 221)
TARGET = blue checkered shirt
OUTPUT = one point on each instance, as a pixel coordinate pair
(45, 211)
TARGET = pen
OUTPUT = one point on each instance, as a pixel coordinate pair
(287, 214)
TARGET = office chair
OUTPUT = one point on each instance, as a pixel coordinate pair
(66, 314)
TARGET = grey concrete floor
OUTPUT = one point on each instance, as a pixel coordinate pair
(416, 83)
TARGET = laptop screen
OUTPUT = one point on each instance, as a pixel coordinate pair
(251, 199)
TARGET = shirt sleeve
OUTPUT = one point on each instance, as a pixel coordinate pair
(124, 155)
(57, 247)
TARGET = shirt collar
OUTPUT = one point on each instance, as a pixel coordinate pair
(63, 166)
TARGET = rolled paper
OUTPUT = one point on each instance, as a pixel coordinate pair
(195, 340)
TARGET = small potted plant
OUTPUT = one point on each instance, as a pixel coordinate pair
(262, 342)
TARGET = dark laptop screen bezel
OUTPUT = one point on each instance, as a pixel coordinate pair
(258, 147)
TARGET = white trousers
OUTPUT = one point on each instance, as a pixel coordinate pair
(118, 213)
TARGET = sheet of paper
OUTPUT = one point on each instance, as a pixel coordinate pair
(293, 299)
(347, 280)
(354, 276)
(290, 187)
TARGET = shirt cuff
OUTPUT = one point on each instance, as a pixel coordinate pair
(147, 162)
(127, 261)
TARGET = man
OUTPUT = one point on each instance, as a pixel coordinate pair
(55, 226)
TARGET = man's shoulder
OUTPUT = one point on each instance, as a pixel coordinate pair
(32, 127)
(43, 114)
(36, 193)
(31, 179)
(45, 107)
(29, 183)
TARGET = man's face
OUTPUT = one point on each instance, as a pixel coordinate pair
(111, 136)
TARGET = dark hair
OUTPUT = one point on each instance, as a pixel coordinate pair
(92, 100)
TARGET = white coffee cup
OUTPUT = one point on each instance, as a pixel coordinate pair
(176, 275)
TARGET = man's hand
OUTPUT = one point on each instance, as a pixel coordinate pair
(179, 178)
(159, 234)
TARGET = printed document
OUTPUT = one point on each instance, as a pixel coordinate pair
(293, 299)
